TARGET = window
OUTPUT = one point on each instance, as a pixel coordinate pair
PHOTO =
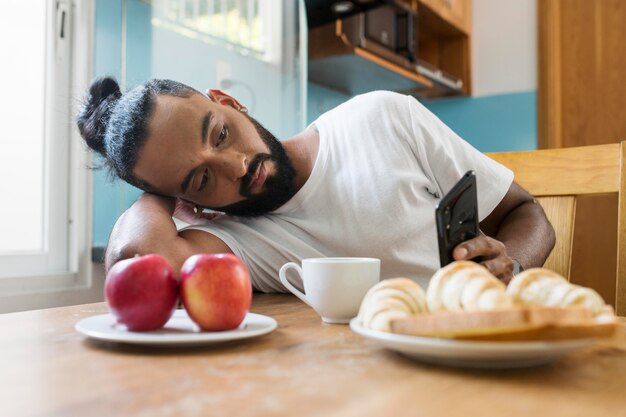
(45, 49)
(250, 26)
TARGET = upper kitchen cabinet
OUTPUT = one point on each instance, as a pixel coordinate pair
(418, 47)
(456, 13)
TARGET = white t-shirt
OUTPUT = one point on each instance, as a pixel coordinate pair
(383, 163)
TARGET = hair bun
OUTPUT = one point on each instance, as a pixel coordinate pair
(95, 113)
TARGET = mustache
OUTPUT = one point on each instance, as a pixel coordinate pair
(244, 188)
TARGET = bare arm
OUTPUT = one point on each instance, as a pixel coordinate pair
(516, 229)
(147, 227)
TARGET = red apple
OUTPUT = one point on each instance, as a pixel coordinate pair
(216, 290)
(142, 292)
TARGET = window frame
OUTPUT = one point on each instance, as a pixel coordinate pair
(28, 291)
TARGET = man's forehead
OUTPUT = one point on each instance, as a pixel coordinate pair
(168, 107)
(174, 105)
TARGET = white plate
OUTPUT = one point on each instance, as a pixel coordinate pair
(470, 354)
(178, 331)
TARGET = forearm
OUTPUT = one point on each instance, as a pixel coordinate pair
(144, 228)
(527, 234)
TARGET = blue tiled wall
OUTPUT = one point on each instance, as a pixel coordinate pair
(107, 60)
(505, 122)
(111, 196)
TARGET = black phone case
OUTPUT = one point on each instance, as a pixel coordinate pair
(456, 216)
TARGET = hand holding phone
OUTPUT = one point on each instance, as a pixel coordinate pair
(456, 216)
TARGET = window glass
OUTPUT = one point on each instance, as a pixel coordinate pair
(23, 57)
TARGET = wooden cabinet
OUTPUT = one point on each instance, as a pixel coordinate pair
(342, 58)
(581, 101)
(457, 13)
(444, 38)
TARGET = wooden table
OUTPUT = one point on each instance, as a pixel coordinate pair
(304, 368)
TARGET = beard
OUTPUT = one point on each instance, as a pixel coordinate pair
(277, 188)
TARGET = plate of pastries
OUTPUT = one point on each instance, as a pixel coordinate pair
(467, 317)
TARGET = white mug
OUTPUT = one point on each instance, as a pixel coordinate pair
(334, 287)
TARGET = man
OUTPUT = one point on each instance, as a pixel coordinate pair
(362, 180)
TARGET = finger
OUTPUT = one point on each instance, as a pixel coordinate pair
(501, 267)
(506, 279)
(480, 246)
(460, 253)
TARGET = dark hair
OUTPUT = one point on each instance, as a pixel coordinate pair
(116, 125)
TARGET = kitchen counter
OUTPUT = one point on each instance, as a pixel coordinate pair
(303, 368)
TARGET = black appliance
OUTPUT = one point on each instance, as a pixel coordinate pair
(384, 27)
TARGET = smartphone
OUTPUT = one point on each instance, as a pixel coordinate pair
(456, 216)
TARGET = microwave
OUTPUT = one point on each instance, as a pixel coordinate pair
(389, 30)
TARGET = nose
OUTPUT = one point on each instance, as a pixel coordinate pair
(230, 164)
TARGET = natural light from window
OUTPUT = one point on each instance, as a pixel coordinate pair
(245, 25)
(23, 53)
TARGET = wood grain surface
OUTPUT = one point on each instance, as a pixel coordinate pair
(581, 98)
(304, 368)
(563, 177)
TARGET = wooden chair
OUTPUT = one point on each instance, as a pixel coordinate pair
(556, 177)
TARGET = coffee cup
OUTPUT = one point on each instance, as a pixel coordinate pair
(333, 287)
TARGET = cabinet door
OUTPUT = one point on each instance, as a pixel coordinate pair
(457, 12)
(582, 97)
(582, 93)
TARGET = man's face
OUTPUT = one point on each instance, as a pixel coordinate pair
(215, 156)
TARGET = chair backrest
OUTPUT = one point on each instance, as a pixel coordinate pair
(556, 177)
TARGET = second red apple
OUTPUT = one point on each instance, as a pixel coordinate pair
(216, 290)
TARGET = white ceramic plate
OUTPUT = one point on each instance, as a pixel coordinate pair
(470, 354)
(178, 331)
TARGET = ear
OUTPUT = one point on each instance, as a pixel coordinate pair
(222, 98)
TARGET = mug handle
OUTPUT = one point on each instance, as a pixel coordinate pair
(282, 274)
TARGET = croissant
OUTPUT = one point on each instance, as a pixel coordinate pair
(540, 286)
(390, 299)
(466, 286)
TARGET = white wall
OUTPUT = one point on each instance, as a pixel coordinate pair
(504, 46)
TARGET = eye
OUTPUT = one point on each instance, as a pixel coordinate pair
(223, 135)
(205, 178)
